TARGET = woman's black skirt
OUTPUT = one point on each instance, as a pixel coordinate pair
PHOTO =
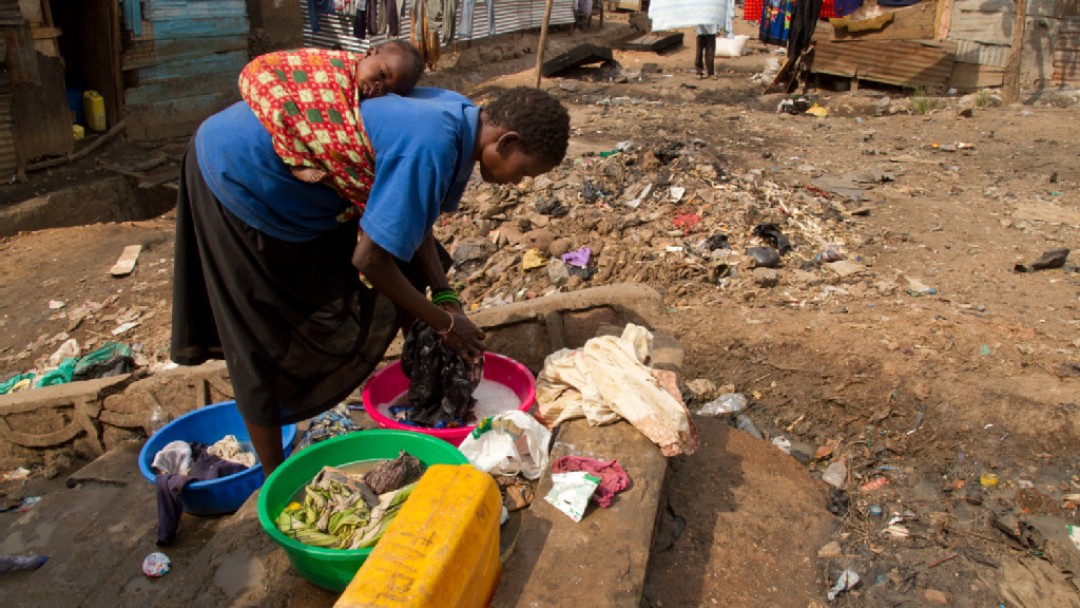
(295, 325)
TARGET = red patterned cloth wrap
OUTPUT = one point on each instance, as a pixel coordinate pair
(308, 100)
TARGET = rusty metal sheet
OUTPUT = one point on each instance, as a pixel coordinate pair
(905, 63)
(1067, 52)
(10, 14)
(8, 160)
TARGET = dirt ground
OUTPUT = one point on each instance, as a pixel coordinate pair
(929, 364)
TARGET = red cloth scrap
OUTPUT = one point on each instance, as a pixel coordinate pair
(613, 478)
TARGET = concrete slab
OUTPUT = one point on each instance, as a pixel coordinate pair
(558, 562)
(115, 467)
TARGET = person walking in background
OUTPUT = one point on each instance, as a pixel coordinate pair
(705, 53)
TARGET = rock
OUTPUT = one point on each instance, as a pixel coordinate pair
(844, 268)
(540, 238)
(764, 257)
(469, 255)
(558, 272)
(575, 282)
(936, 597)
(765, 277)
(570, 86)
(701, 388)
(512, 235)
(559, 247)
(804, 278)
(542, 182)
(967, 113)
(650, 68)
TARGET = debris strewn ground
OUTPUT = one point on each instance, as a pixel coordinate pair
(894, 345)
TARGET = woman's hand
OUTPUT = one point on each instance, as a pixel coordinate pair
(466, 339)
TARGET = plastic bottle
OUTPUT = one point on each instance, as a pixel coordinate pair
(11, 563)
(158, 418)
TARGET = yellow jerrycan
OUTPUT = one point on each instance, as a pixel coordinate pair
(94, 109)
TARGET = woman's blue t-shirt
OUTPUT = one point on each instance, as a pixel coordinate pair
(423, 144)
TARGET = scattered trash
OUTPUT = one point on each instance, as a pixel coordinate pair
(830, 550)
(552, 207)
(578, 258)
(920, 416)
(782, 443)
(687, 221)
(876, 511)
(819, 111)
(570, 492)
(126, 263)
(28, 503)
(988, 480)
(636, 201)
(764, 257)
(794, 105)
(533, 259)
(16, 383)
(918, 288)
(17, 474)
(676, 193)
(1055, 258)
(984, 350)
(743, 423)
(55, 304)
(728, 403)
(111, 359)
(771, 234)
(11, 563)
(835, 474)
(613, 478)
(875, 484)
(156, 564)
(1074, 534)
(844, 582)
(839, 504)
(510, 443)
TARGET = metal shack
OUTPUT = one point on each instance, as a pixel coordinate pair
(161, 66)
(941, 44)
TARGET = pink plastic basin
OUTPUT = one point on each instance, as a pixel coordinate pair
(386, 384)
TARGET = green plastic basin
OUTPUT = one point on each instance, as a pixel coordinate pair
(333, 568)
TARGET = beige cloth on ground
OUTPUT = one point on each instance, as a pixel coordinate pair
(608, 379)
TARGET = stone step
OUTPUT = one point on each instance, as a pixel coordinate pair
(601, 561)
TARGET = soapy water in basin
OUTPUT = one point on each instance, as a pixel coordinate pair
(491, 398)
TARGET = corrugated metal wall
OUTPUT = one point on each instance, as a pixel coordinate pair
(335, 31)
(9, 15)
(1066, 58)
(8, 161)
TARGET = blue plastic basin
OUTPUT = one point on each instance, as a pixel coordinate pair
(209, 425)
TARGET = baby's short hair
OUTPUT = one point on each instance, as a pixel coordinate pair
(413, 59)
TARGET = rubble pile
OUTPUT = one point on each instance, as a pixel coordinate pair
(668, 214)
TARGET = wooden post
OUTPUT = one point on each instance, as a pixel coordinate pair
(1010, 92)
(543, 40)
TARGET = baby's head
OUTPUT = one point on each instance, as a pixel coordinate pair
(392, 67)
